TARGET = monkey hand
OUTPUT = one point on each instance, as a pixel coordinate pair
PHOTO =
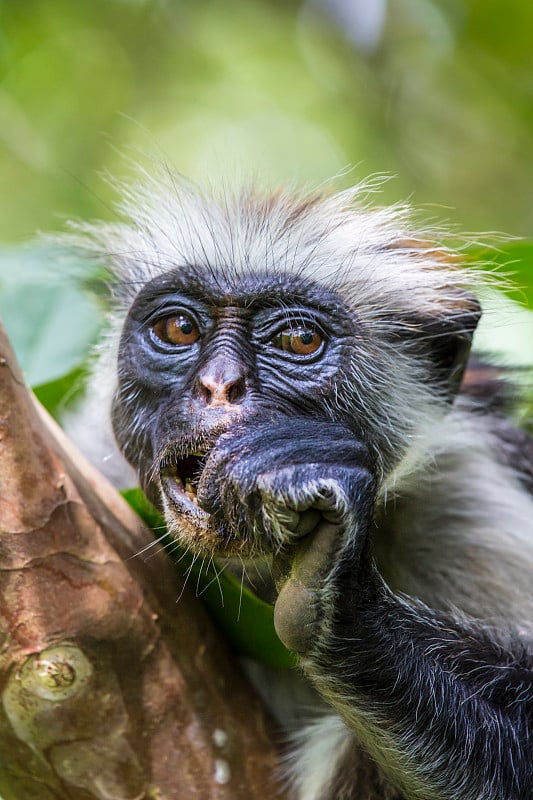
(303, 489)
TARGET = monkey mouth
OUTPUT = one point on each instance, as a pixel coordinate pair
(181, 473)
(179, 481)
(189, 523)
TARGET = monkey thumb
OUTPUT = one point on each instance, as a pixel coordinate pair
(298, 609)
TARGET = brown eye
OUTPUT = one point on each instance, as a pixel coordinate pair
(301, 341)
(179, 329)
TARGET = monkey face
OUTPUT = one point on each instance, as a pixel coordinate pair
(208, 357)
(205, 355)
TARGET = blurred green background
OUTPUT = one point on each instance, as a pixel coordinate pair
(438, 93)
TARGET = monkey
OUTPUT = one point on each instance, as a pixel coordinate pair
(288, 375)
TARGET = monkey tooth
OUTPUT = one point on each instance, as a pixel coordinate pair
(181, 477)
(190, 491)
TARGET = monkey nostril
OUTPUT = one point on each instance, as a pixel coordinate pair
(221, 381)
(205, 392)
(236, 390)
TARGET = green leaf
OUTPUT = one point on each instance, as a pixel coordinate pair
(246, 621)
(515, 261)
(57, 395)
(51, 323)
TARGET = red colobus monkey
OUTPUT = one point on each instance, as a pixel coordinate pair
(286, 376)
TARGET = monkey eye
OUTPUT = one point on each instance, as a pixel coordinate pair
(300, 341)
(179, 329)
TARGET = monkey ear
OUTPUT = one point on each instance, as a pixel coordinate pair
(447, 340)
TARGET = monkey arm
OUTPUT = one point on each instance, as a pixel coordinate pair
(441, 703)
(444, 708)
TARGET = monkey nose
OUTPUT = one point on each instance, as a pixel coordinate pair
(223, 387)
(223, 393)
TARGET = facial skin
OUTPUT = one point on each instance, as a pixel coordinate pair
(213, 365)
(224, 379)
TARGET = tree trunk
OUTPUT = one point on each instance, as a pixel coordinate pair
(109, 688)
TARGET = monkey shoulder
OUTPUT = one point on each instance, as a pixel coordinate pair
(454, 528)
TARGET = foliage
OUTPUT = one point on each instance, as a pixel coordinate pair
(436, 93)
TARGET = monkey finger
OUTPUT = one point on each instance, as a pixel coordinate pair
(313, 555)
(291, 523)
(307, 522)
(297, 612)
(279, 513)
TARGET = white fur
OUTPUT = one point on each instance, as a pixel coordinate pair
(464, 538)
(376, 257)
(89, 425)
(317, 749)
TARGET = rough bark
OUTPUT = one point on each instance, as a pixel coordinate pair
(109, 688)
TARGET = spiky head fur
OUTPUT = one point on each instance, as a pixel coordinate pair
(398, 287)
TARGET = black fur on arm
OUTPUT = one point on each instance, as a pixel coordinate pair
(448, 710)
(443, 704)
